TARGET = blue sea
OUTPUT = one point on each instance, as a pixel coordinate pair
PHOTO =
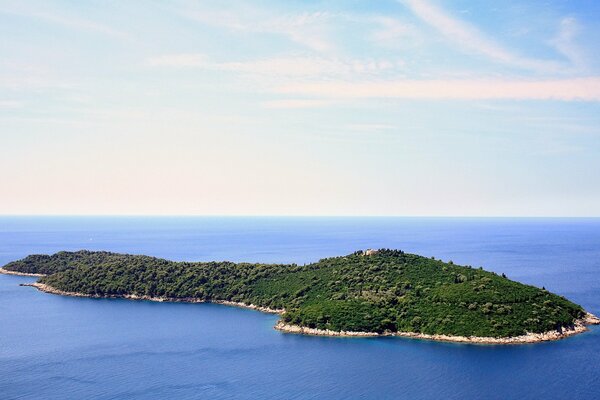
(54, 347)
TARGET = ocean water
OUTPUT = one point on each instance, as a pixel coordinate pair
(54, 347)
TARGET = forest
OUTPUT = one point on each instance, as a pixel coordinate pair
(377, 291)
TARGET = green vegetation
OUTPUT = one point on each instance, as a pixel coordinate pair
(385, 291)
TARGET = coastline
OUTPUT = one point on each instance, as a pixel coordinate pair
(579, 325)
(7, 272)
(49, 289)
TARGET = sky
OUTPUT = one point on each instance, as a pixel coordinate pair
(268, 107)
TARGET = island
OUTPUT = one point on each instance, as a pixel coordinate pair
(367, 293)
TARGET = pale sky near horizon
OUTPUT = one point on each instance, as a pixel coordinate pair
(409, 107)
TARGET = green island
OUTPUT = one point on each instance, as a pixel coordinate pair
(367, 293)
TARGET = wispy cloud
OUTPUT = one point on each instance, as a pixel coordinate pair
(11, 104)
(565, 44)
(297, 103)
(321, 31)
(319, 81)
(283, 66)
(17, 82)
(371, 127)
(184, 60)
(309, 29)
(69, 21)
(393, 33)
(18, 76)
(471, 39)
(582, 89)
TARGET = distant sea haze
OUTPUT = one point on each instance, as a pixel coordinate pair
(55, 347)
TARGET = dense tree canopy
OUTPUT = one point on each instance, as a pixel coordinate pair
(388, 290)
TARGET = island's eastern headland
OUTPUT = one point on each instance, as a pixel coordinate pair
(367, 293)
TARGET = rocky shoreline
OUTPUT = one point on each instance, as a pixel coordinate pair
(578, 327)
(49, 289)
(7, 272)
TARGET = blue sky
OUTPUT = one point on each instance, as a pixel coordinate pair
(403, 107)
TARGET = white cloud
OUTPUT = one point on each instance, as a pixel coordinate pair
(580, 89)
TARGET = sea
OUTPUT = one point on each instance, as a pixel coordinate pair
(54, 347)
